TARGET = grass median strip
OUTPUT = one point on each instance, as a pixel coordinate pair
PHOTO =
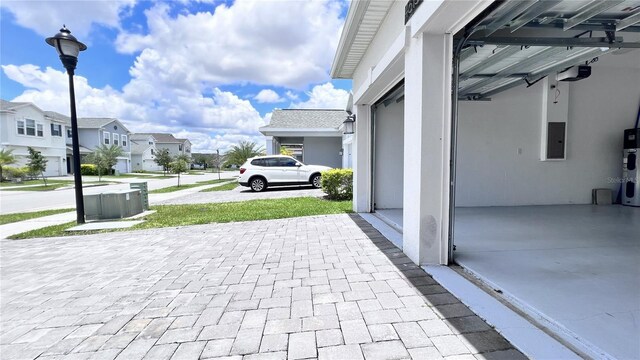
(37, 188)
(11, 218)
(33, 182)
(196, 214)
(188, 186)
(225, 187)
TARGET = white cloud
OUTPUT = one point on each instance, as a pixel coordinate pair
(268, 96)
(281, 43)
(291, 95)
(324, 96)
(46, 17)
(212, 122)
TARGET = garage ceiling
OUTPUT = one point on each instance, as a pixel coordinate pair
(525, 40)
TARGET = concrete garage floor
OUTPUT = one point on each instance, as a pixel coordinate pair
(576, 266)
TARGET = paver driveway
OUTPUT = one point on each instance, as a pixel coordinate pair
(327, 287)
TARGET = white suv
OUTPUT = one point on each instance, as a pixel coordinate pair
(278, 170)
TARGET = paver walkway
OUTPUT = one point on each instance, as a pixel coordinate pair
(327, 287)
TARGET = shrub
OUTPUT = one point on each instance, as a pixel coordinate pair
(88, 169)
(15, 173)
(338, 184)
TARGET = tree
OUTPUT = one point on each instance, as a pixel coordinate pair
(285, 151)
(243, 151)
(201, 159)
(180, 165)
(37, 163)
(6, 158)
(104, 158)
(163, 158)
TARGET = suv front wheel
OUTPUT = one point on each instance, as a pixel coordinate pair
(258, 184)
(316, 180)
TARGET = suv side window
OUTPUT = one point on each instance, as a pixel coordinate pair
(258, 162)
(286, 162)
(270, 162)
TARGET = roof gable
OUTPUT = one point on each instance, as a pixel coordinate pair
(307, 119)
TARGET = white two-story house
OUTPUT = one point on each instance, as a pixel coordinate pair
(168, 141)
(24, 125)
(143, 152)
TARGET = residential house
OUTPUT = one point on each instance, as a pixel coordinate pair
(168, 141)
(24, 125)
(482, 129)
(93, 132)
(143, 152)
(313, 135)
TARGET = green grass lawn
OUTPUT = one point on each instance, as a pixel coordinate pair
(225, 187)
(194, 214)
(11, 218)
(33, 182)
(187, 186)
(49, 187)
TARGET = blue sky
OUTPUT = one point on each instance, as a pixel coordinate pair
(211, 71)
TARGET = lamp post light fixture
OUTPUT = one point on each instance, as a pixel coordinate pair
(349, 124)
(68, 47)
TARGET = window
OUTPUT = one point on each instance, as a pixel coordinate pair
(69, 134)
(40, 129)
(31, 127)
(116, 139)
(270, 162)
(124, 140)
(286, 162)
(150, 142)
(107, 138)
(56, 130)
(20, 127)
(258, 162)
(152, 152)
(180, 147)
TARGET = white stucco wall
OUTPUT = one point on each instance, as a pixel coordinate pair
(491, 172)
(389, 156)
(322, 151)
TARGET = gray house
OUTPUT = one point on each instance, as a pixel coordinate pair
(93, 132)
(313, 135)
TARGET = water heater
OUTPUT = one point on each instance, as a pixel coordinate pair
(630, 172)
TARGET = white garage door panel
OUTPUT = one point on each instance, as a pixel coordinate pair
(53, 166)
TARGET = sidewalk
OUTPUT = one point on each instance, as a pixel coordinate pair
(58, 219)
(37, 223)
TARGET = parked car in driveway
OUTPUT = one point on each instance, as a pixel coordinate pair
(260, 172)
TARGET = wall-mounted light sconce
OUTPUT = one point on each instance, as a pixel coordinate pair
(341, 152)
(349, 124)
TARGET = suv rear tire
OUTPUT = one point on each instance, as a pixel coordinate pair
(258, 184)
(316, 181)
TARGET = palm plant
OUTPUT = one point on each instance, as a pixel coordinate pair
(243, 151)
(105, 157)
(6, 158)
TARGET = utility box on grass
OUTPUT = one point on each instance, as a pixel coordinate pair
(116, 204)
(144, 193)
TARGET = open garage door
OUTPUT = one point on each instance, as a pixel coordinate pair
(388, 156)
(545, 133)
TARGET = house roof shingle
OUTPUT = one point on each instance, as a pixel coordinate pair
(139, 146)
(163, 138)
(307, 119)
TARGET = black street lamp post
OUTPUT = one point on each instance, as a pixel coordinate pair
(68, 47)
